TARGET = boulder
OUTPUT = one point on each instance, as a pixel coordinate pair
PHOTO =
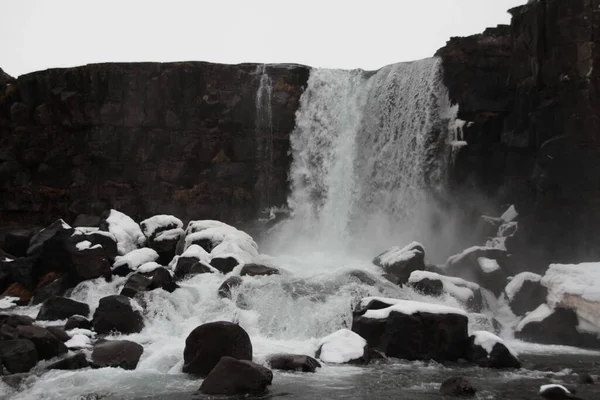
(58, 308)
(163, 233)
(25, 271)
(187, 266)
(556, 392)
(78, 361)
(258, 270)
(224, 264)
(131, 261)
(15, 320)
(412, 330)
(293, 362)
(59, 332)
(116, 354)
(401, 262)
(18, 355)
(428, 287)
(206, 344)
(20, 292)
(343, 347)
(162, 279)
(134, 284)
(51, 285)
(481, 265)
(236, 377)
(554, 326)
(16, 242)
(78, 322)
(525, 293)
(117, 313)
(46, 344)
(230, 284)
(458, 387)
(585, 378)
(127, 232)
(433, 284)
(488, 350)
(57, 228)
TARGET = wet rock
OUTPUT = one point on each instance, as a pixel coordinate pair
(117, 354)
(556, 392)
(187, 266)
(258, 270)
(412, 330)
(206, 344)
(16, 242)
(19, 291)
(57, 228)
(401, 262)
(428, 287)
(78, 322)
(487, 350)
(230, 284)
(58, 308)
(46, 344)
(458, 386)
(162, 279)
(59, 332)
(224, 264)
(432, 284)
(163, 233)
(135, 283)
(117, 313)
(236, 377)
(51, 285)
(585, 379)
(15, 320)
(525, 293)
(78, 361)
(481, 265)
(18, 355)
(293, 362)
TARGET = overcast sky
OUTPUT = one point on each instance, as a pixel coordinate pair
(368, 34)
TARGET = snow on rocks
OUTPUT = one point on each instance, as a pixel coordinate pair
(86, 244)
(160, 223)
(343, 346)
(400, 262)
(555, 392)
(488, 350)
(133, 260)
(466, 292)
(480, 264)
(194, 260)
(412, 330)
(525, 293)
(148, 267)
(127, 232)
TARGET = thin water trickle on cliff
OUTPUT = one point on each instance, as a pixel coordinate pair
(370, 152)
(264, 135)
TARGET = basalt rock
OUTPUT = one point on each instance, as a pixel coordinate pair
(117, 354)
(46, 344)
(18, 355)
(57, 308)
(236, 377)
(258, 270)
(458, 387)
(117, 313)
(78, 361)
(293, 362)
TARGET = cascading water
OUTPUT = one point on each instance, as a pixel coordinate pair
(264, 135)
(369, 156)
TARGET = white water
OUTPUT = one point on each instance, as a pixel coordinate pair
(264, 135)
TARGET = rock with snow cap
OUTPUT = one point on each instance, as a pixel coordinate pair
(128, 234)
(224, 264)
(206, 344)
(401, 262)
(433, 284)
(163, 233)
(78, 322)
(525, 293)
(412, 330)
(488, 350)
(481, 265)
(119, 314)
(556, 392)
(343, 347)
(131, 261)
(194, 260)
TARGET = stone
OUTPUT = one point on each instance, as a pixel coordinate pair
(500, 357)
(585, 378)
(46, 344)
(187, 266)
(116, 354)
(428, 287)
(78, 322)
(258, 270)
(231, 283)
(59, 332)
(58, 308)
(18, 355)
(224, 264)
(206, 344)
(162, 279)
(528, 296)
(135, 283)
(117, 313)
(16, 242)
(78, 361)
(293, 362)
(51, 285)
(482, 265)
(19, 291)
(401, 262)
(236, 377)
(458, 387)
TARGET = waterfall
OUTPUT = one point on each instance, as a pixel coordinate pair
(264, 135)
(369, 154)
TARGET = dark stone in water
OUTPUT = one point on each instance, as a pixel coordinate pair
(190, 266)
(135, 283)
(59, 332)
(258, 270)
(226, 287)
(224, 264)
(46, 344)
(585, 378)
(18, 355)
(236, 377)
(500, 357)
(429, 287)
(116, 353)
(57, 308)
(78, 321)
(116, 313)
(78, 361)
(458, 386)
(206, 344)
(404, 266)
(293, 362)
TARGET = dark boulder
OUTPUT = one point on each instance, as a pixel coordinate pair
(117, 313)
(258, 270)
(206, 344)
(187, 266)
(116, 354)
(58, 308)
(59, 332)
(401, 262)
(165, 244)
(482, 265)
(162, 279)
(412, 330)
(78, 322)
(293, 362)
(236, 377)
(228, 286)
(46, 344)
(15, 320)
(224, 264)
(16, 242)
(459, 387)
(51, 285)
(57, 228)
(489, 351)
(585, 378)
(525, 293)
(24, 271)
(428, 287)
(18, 355)
(135, 283)
(78, 361)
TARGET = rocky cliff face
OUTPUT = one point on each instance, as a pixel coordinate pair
(530, 95)
(145, 138)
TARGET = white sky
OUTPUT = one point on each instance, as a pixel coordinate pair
(40, 34)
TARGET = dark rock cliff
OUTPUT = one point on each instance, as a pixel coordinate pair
(146, 138)
(530, 94)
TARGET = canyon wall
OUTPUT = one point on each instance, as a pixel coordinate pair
(145, 138)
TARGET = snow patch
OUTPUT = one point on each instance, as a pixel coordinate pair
(510, 214)
(152, 224)
(148, 267)
(171, 234)
(456, 287)
(409, 307)
(79, 342)
(488, 265)
(136, 258)
(516, 283)
(127, 232)
(545, 388)
(86, 244)
(488, 340)
(6, 259)
(8, 302)
(342, 346)
(573, 279)
(398, 254)
(537, 315)
(458, 143)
